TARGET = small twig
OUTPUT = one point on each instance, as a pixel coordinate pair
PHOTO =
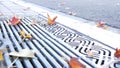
(22, 40)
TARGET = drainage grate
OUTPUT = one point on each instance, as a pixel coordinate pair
(48, 46)
(49, 49)
(51, 42)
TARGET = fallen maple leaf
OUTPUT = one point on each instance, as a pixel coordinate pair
(22, 33)
(28, 36)
(102, 25)
(74, 63)
(99, 24)
(117, 53)
(15, 20)
(1, 55)
(25, 36)
(51, 21)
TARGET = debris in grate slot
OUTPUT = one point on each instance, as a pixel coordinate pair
(64, 59)
(92, 54)
(51, 21)
(74, 62)
(72, 13)
(26, 8)
(34, 22)
(24, 53)
(15, 20)
(25, 36)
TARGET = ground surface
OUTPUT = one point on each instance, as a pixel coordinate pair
(94, 10)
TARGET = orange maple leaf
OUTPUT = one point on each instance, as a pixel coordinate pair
(117, 53)
(74, 63)
(100, 24)
(51, 21)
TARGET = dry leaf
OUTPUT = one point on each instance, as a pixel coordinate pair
(99, 24)
(15, 20)
(23, 53)
(51, 21)
(25, 36)
(22, 33)
(28, 36)
(117, 53)
(1, 55)
(74, 63)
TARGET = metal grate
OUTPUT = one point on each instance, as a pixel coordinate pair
(49, 49)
